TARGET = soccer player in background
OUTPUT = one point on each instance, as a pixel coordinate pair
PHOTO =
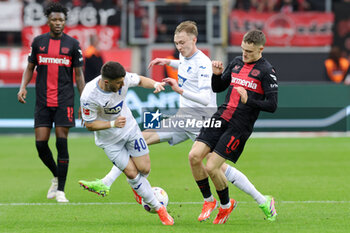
(116, 130)
(252, 87)
(55, 55)
(196, 95)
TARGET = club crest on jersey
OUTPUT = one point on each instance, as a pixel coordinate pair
(114, 110)
(255, 72)
(64, 50)
(181, 80)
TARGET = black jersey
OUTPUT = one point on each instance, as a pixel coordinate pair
(55, 59)
(259, 79)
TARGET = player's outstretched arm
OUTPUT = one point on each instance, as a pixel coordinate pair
(150, 83)
(27, 76)
(159, 61)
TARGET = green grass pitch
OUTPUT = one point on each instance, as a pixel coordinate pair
(309, 177)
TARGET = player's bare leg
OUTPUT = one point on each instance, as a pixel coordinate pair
(197, 154)
(213, 167)
(150, 136)
(142, 187)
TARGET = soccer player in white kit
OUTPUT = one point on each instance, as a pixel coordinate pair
(116, 130)
(194, 87)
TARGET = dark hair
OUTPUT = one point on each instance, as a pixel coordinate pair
(112, 70)
(255, 37)
(190, 27)
(55, 7)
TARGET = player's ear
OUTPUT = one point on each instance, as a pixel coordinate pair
(261, 48)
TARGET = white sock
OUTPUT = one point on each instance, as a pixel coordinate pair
(226, 206)
(209, 199)
(111, 176)
(143, 188)
(241, 181)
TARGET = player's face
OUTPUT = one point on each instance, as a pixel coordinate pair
(251, 52)
(185, 43)
(56, 22)
(114, 85)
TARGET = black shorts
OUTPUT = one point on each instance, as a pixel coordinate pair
(228, 141)
(63, 116)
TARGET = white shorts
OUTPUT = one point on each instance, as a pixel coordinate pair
(174, 138)
(133, 145)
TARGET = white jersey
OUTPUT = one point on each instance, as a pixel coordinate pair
(98, 104)
(194, 77)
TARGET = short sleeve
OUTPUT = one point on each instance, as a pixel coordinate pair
(77, 56)
(32, 53)
(132, 79)
(89, 110)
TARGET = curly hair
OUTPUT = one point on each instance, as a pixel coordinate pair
(55, 7)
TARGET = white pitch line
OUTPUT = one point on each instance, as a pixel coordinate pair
(172, 203)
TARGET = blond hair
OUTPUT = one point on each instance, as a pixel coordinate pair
(190, 27)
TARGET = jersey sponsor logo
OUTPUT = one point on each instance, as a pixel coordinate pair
(181, 80)
(43, 60)
(114, 110)
(202, 67)
(273, 85)
(248, 83)
(245, 83)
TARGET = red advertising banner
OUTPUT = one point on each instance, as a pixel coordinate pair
(108, 35)
(292, 29)
(14, 61)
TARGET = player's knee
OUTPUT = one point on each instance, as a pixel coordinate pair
(194, 157)
(211, 169)
(41, 146)
(145, 170)
(131, 172)
(62, 149)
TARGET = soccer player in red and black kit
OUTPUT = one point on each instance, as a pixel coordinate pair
(252, 87)
(55, 55)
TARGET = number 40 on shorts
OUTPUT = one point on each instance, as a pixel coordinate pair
(140, 144)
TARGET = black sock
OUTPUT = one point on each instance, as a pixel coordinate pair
(223, 195)
(204, 187)
(46, 156)
(62, 162)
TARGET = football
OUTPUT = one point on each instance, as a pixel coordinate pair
(161, 196)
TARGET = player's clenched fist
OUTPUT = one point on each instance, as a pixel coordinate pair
(120, 122)
(218, 67)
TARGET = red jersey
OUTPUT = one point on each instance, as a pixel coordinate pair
(54, 60)
(258, 79)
